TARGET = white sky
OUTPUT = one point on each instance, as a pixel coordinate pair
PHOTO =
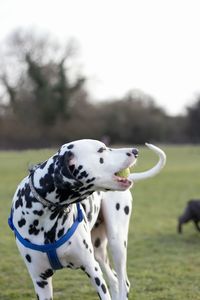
(152, 45)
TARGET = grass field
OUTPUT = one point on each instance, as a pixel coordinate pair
(162, 265)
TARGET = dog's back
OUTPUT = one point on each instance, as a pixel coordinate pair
(191, 213)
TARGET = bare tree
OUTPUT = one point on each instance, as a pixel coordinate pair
(37, 77)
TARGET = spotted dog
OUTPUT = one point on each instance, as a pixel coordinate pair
(50, 226)
(111, 229)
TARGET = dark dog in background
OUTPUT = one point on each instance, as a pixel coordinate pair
(191, 213)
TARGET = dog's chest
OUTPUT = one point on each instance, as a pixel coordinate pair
(37, 224)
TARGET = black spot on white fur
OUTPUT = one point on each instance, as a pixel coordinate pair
(101, 160)
(61, 232)
(126, 210)
(117, 206)
(70, 146)
(85, 243)
(48, 273)
(104, 288)
(28, 258)
(38, 212)
(22, 222)
(101, 150)
(42, 283)
(97, 280)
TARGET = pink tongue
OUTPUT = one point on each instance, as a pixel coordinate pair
(124, 181)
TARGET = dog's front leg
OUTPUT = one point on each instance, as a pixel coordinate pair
(94, 272)
(40, 272)
(42, 282)
(43, 288)
(83, 255)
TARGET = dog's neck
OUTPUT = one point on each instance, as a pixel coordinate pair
(43, 182)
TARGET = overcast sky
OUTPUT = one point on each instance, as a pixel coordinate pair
(152, 45)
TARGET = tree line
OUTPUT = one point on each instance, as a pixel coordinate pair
(44, 102)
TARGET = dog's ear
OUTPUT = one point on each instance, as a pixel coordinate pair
(63, 171)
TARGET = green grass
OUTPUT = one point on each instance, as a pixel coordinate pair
(162, 265)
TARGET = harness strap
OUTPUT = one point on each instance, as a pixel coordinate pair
(50, 249)
(54, 260)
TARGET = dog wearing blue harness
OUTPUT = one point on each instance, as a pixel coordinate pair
(49, 211)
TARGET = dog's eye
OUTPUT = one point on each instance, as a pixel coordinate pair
(101, 149)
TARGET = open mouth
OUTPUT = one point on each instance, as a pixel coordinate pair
(122, 177)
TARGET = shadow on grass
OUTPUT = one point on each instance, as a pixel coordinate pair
(179, 241)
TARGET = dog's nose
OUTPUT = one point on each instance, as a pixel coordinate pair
(135, 152)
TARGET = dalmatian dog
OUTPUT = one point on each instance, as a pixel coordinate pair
(44, 209)
(53, 230)
(111, 230)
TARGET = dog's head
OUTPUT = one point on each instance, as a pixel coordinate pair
(90, 165)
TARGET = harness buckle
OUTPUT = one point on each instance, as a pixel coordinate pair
(67, 210)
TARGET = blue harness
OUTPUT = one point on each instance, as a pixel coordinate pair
(49, 249)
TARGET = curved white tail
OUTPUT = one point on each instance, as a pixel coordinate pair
(153, 171)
